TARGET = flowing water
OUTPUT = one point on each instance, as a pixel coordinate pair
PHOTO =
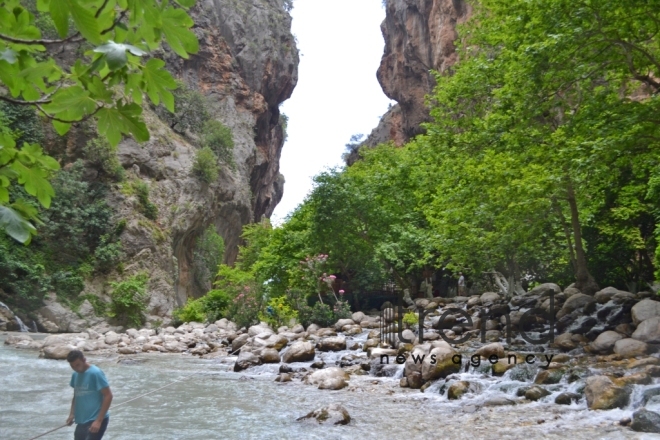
(216, 403)
(22, 327)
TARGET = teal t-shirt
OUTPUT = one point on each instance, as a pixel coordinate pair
(87, 388)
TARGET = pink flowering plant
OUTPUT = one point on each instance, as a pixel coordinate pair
(314, 276)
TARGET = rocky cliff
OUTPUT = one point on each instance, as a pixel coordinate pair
(419, 37)
(246, 67)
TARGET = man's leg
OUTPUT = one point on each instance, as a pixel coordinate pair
(82, 431)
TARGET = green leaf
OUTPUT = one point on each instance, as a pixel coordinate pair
(115, 53)
(175, 27)
(85, 22)
(15, 225)
(113, 122)
(59, 12)
(71, 104)
(186, 3)
(34, 181)
(159, 82)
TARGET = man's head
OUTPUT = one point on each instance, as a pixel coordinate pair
(77, 361)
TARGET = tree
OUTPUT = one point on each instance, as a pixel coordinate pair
(105, 81)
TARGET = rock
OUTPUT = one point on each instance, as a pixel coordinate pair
(605, 295)
(343, 322)
(299, 351)
(259, 329)
(126, 350)
(212, 328)
(548, 377)
(489, 298)
(629, 348)
(283, 377)
(58, 352)
(499, 401)
(564, 342)
(567, 398)
(543, 289)
(333, 414)
(648, 330)
(457, 389)
(333, 378)
(535, 393)
(239, 342)
(602, 393)
(641, 378)
(246, 360)
(644, 420)
(270, 356)
(358, 317)
(444, 364)
(645, 309)
(334, 343)
(488, 350)
(17, 339)
(604, 343)
(414, 380)
(577, 301)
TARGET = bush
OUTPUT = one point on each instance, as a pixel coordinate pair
(342, 310)
(101, 154)
(215, 305)
(128, 300)
(149, 210)
(410, 319)
(190, 111)
(218, 137)
(320, 314)
(193, 310)
(206, 165)
(207, 255)
(278, 313)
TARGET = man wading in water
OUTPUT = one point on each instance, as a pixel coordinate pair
(91, 398)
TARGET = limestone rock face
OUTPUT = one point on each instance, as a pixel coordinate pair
(419, 36)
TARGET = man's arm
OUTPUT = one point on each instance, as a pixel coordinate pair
(107, 400)
(69, 421)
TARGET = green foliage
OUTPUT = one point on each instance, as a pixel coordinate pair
(320, 314)
(106, 82)
(103, 156)
(190, 111)
(192, 311)
(141, 189)
(410, 319)
(207, 255)
(129, 300)
(278, 313)
(218, 137)
(205, 165)
(284, 123)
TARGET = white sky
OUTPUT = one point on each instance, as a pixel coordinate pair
(337, 94)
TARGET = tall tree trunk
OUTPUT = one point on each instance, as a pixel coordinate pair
(567, 233)
(583, 279)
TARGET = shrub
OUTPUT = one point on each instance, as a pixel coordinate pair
(410, 319)
(342, 310)
(215, 304)
(206, 165)
(278, 313)
(320, 314)
(207, 255)
(193, 310)
(149, 210)
(128, 300)
(218, 137)
(190, 110)
(100, 153)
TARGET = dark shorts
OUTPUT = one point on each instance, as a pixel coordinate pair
(82, 431)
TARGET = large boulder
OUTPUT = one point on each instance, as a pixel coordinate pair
(111, 338)
(575, 302)
(645, 309)
(457, 389)
(17, 339)
(644, 420)
(535, 393)
(344, 322)
(239, 341)
(439, 363)
(648, 331)
(604, 343)
(333, 343)
(605, 295)
(358, 317)
(333, 378)
(488, 350)
(489, 298)
(58, 352)
(629, 348)
(543, 289)
(333, 414)
(246, 360)
(270, 356)
(602, 393)
(259, 329)
(299, 351)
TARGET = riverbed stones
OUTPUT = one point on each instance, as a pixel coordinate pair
(543, 289)
(567, 398)
(575, 302)
(489, 350)
(648, 331)
(333, 343)
(239, 341)
(548, 377)
(259, 329)
(17, 339)
(489, 298)
(645, 309)
(270, 356)
(58, 352)
(630, 348)
(246, 359)
(644, 420)
(535, 393)
(457, 389)
(444, 363)
(343, 322)
(602, 393)
(333, 378)
(126, 350)
(604, 343)
(333, 414)
(299, 351)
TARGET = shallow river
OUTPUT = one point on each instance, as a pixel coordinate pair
(215, 403)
